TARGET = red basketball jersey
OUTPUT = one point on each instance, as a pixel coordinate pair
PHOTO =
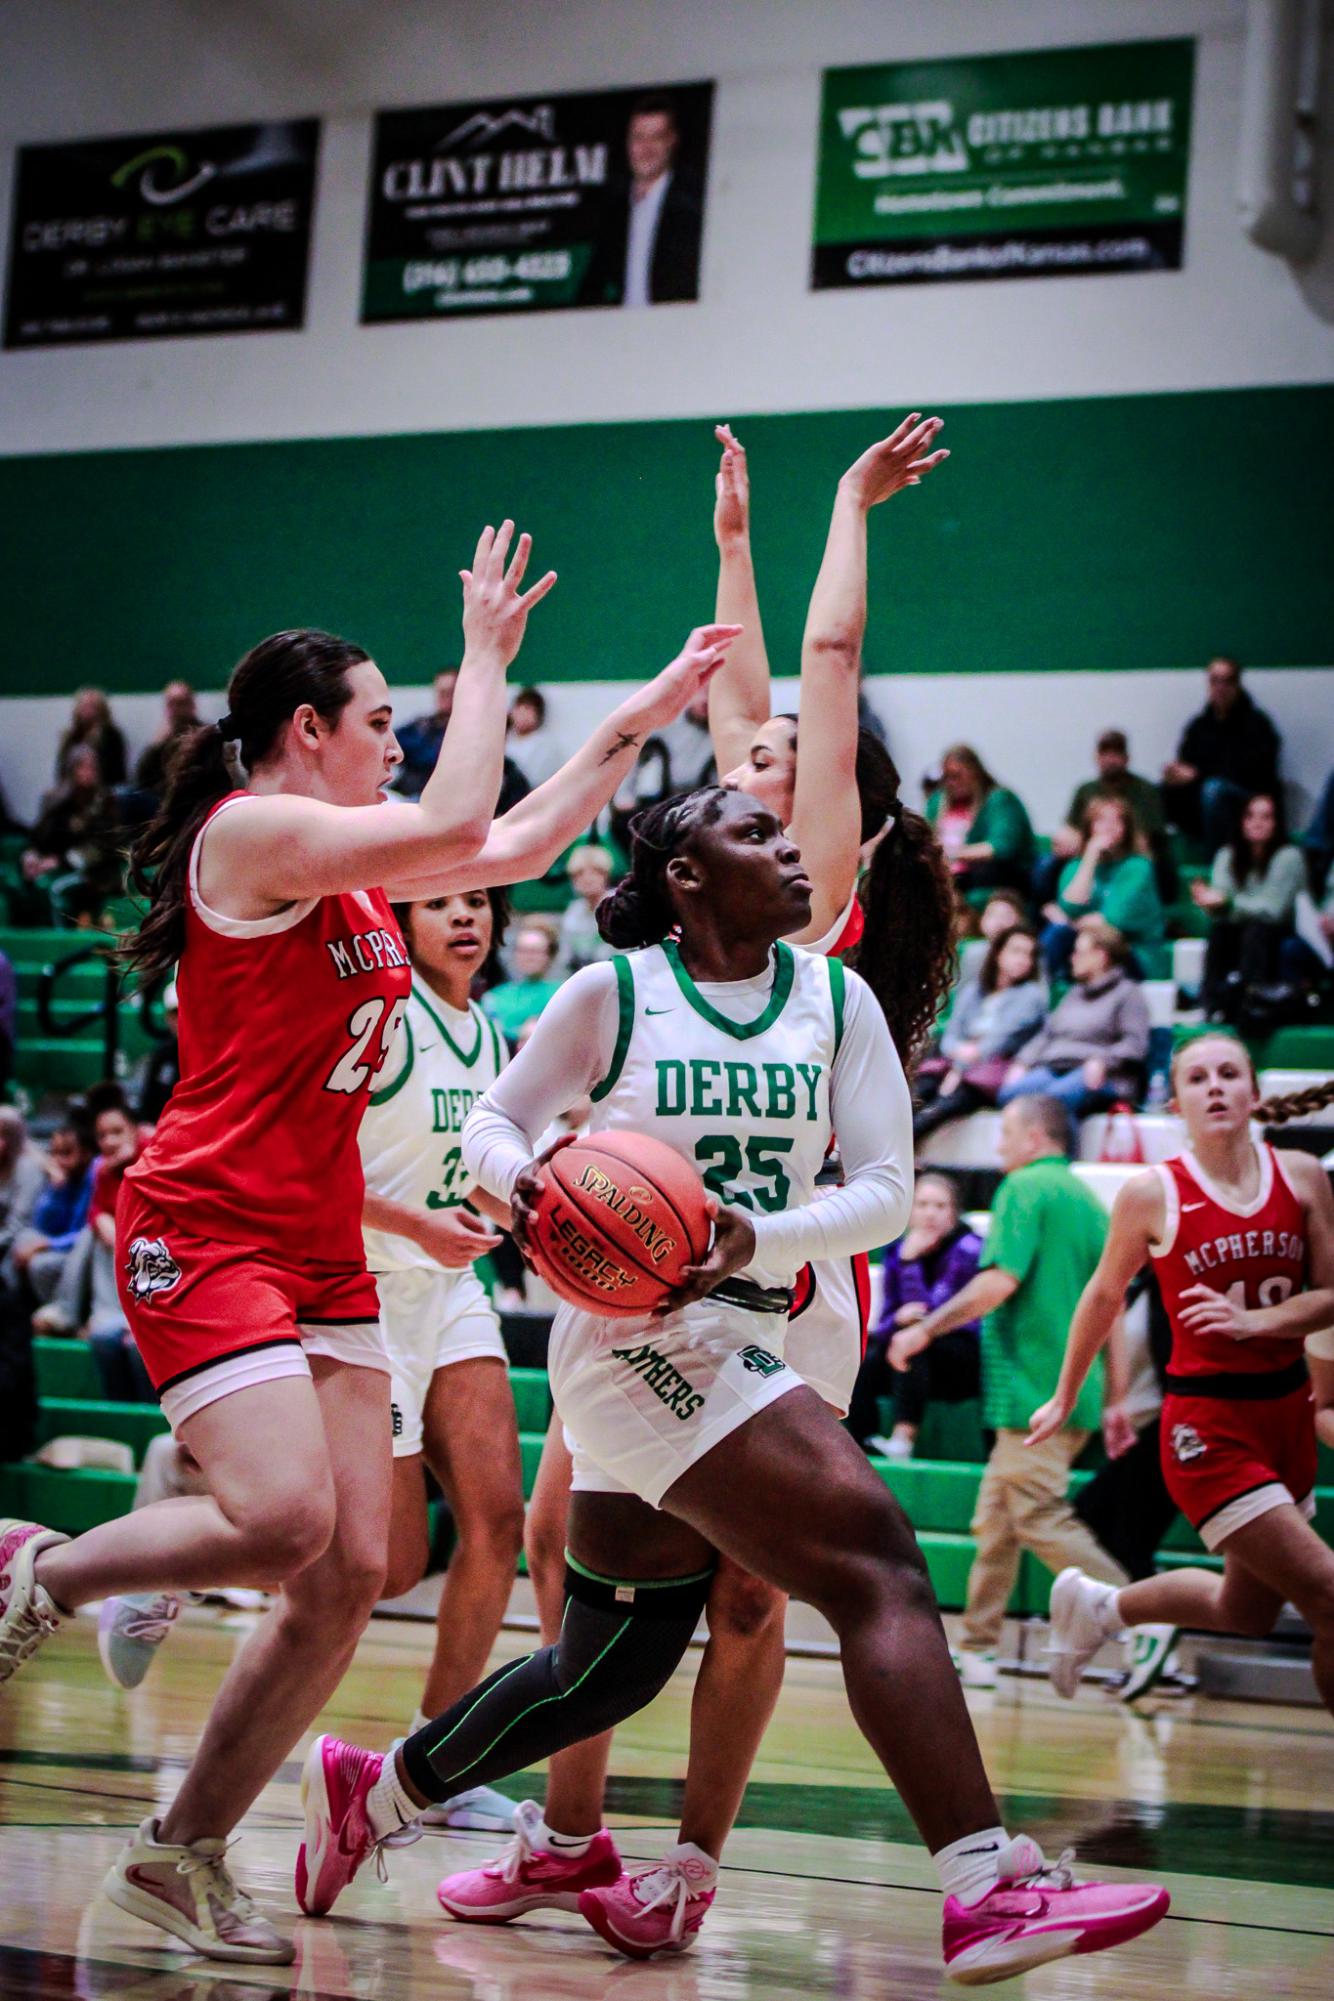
(284, 1022)
(845, 932)
(1257, 1255)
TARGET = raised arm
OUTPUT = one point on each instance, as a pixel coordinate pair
(826, 816)
(524, 842)
(739, 698)
(1137, 1222)
(284, 847)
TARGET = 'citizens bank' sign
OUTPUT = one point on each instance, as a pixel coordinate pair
(1037, 165)
(163, 234)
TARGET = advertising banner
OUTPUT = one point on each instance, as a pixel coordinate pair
(166, 234)
(1035, 165)
(525, 204)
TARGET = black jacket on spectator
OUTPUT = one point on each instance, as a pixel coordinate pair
(1242, 747)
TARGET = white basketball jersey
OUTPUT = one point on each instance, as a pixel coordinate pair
(746, 1102)
(440, 1063)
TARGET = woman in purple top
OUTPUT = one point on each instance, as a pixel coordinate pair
(933, 1261)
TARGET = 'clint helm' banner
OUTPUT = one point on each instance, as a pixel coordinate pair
(1036, 165)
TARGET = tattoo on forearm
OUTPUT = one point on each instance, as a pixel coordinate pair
(623, 742)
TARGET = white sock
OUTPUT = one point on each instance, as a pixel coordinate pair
(561, 1844)
(389, 1805)
(1109, 1612)
(690, 1851)
(968, 1867)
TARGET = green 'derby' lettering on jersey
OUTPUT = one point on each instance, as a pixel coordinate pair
(450, 1108)
(663, 1378)
(702, 1087)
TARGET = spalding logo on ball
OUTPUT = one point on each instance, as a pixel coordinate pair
(618, 1218)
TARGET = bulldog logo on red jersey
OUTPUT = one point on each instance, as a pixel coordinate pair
(1187, 1444)
(151, 1267)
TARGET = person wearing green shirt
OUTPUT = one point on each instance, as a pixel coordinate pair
(1046, 1237)
(1112, 878)
(517, 1001)
(983, 827)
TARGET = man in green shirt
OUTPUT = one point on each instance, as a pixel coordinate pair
(1115, 780)
(1046, 1236)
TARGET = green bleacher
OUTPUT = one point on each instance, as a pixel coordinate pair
(937, 1491)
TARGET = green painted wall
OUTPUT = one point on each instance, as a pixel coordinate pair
(1102, 533)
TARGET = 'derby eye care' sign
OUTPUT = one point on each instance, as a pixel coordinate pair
(161, 235)
(1036, 165)
(523, 204)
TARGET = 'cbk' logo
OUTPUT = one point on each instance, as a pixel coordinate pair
(893, 139)
(163, 175)
(151, 1267)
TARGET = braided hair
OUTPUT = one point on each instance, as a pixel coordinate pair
(638, 911)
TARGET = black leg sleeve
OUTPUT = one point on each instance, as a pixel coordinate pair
(619, 1645)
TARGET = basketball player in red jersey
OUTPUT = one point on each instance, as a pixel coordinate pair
(239, 1235)
(839, 795)
(1242, 1241)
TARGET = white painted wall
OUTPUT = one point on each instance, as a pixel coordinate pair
(759, 340)
(922, 713)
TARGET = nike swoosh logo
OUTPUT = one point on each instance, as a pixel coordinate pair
(1188, 1208)
(660, 1010)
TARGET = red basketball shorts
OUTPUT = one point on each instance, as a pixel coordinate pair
(210, 1317)
(1227, 1462)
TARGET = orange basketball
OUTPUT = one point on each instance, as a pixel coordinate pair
(618, 1219)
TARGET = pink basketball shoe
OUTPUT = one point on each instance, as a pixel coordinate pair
(525, 1877)
(1038, 1912)
(335, 1780)
(656, 1909)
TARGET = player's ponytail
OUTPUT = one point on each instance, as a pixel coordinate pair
(638, 911)
(267, 687)
(1295, 1104)
(906, 954)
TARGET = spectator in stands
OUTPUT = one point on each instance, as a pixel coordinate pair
(532, 743)
(520, 999)
(1308, 960)
(73, 864)
(86, 1298)
(581, 943)
(9, 1017)
(1001, 912)
(923, 1270)
(180, 715)
(22, 1178)
(420, 741)
(983, 827)
(675, 759)
(1228, 752)
(1251, 899)
(91, 727)
(421, 738)
(1046, 1236)
(1318, 840)
(993, 1015)
(1115, 780)
(160, 1070)
(8, 823)
(60, 1212)
(1111, 877)
(1091, 1051)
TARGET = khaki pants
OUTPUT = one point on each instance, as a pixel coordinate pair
(1021, 1505)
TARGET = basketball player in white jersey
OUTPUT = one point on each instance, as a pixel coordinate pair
(835, 794)
(451, 1403)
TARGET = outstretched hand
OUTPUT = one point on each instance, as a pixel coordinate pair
(731, 489)
(495, 612)
(902, 459)
(661, 700)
